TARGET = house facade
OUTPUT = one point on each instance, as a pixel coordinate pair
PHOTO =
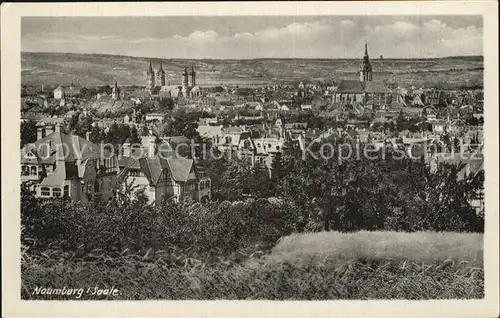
(61, 165)
(163, 177)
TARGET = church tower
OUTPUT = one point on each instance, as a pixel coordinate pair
(185, 82)
(115, 93)
(192, 77)
(150, 78)
(365, 69)
(160, 76)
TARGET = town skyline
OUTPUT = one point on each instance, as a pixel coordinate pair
(312, 37)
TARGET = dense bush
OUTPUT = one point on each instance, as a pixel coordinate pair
(133, 224)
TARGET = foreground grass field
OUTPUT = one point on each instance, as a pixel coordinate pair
(338, 266)
(420, 247)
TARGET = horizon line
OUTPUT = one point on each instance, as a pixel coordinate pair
(259, 58)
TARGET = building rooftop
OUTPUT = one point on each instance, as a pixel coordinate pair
(350, 86)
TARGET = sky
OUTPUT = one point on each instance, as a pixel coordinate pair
(244, 37)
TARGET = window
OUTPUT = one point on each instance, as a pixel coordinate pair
(202, 185)
(33, 171)
(45, 192)
(268, 145)
(66, 190)
(56, 192)
(277, 147)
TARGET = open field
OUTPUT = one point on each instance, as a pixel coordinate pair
(98, 69)
(358, 268)
(427, 247)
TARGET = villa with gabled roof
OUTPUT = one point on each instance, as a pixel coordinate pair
(166, 177)
(62, 165)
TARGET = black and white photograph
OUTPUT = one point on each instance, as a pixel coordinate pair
(278, 157)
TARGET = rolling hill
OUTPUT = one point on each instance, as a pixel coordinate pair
(100, 69)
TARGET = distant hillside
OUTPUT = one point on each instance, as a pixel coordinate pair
(100, 69)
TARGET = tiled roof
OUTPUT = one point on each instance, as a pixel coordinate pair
(209, 131)
(412, 110)
(50, 121)
(475, 161)
(152, 168)
(350, 86)
(180, 168)
(375, 87)
(233, 130)
(74, 147)
(56, 178)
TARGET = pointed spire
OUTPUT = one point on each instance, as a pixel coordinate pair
(150, 70)
(366, 48)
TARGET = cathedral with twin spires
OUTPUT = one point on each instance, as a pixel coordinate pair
(156, 82)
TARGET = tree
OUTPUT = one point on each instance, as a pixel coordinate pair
(97, 135)
(28, 132)
(456, 145)
(134, 136)
(447, 142)
(166, 104)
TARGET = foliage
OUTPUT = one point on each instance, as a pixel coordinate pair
(132, 223)
(28, 132)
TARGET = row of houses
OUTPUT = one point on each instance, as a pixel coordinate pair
(64, 165)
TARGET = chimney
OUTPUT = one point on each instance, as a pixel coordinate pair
(49, 129)
(151, 148)
(87, 135)
(39, 133)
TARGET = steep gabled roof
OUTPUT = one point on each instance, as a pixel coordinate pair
(180, 168)
(350, 86)
(375, 87)
(152, 168)
(70, 147)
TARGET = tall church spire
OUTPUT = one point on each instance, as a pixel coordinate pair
(160, 76)
(365, 69)
(150, 78)
(150, 69)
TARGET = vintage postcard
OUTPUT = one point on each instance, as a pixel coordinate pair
(250, 159)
